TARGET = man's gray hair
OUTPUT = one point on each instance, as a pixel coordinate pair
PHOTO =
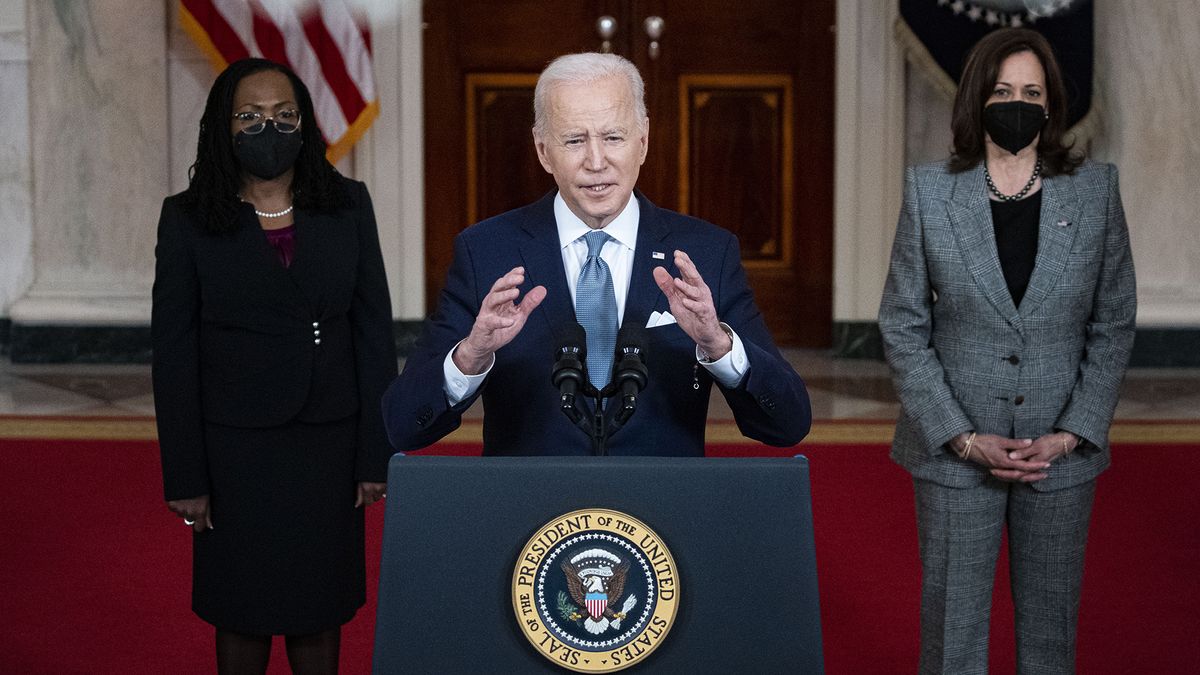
(583, 69)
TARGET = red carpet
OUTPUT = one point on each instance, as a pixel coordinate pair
(95, 570)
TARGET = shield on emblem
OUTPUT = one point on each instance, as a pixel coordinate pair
(596, 603)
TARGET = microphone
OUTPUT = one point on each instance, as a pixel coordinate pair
(570, 370)
(629, 375)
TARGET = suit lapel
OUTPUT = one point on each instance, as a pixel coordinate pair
(542, 257)
(644, 294)
(1057, 226)
(971, 216)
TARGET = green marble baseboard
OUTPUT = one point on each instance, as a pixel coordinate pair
(1152, 347)
(111, 344)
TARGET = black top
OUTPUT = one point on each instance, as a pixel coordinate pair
(1016, 225)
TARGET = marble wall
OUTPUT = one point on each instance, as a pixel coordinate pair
(1150, 88)
(16, 179)
(97, 129)
(98, 122)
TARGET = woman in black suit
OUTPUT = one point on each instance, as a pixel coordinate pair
(272, 346)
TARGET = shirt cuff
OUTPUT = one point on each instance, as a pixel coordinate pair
(459, 387)
(731, 369)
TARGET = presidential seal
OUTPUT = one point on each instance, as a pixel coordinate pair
(595, 590)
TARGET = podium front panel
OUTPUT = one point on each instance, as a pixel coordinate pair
(740, 532)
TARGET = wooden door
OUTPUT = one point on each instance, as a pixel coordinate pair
(740, 99)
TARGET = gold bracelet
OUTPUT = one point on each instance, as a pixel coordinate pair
(966, 451)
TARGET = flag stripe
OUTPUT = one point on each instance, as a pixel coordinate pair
(270, 40)
(193, 28)
(348, 96)
(320, 39)
(221, 36)
(355, 53)
(300, 55)
(239, 16)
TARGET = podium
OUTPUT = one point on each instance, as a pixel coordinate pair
(738, 531)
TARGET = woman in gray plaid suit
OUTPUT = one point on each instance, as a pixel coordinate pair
(1007, 320)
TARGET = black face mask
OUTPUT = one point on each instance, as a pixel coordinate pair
(1013, 125)
(267, 154)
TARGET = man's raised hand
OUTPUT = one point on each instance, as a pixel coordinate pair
(500, 319)
(692, 306)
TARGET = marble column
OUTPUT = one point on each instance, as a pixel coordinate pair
(16, 256)
(1148, 65)
(868, 160)
(99, 146)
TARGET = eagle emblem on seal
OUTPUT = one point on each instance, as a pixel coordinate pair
(595, 580)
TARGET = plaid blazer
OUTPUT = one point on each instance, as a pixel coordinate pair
(963, 357)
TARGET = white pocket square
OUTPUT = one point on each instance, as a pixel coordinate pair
(660, 319)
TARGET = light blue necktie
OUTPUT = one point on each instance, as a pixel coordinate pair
(596, 309)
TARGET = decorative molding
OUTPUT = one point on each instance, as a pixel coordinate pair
(1167, 306)
(70, 307)
(697, 91)
(480, 93)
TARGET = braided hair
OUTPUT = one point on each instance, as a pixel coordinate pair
(215, 179)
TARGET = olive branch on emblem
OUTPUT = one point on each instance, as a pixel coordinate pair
(566, 609)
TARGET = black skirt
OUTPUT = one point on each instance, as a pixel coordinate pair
(285, 555)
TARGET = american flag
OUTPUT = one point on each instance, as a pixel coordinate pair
(319, 39)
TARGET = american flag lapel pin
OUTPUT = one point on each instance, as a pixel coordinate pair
(658, 255)
(1064, 223)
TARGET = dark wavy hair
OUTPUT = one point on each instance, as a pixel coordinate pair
(980, 73)
(216, 177)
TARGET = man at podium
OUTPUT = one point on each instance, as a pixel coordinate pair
(598, 253)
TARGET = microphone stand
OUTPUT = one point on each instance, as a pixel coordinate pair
(599, 433)
(628, 380)
(569, 376)
(575, 413)
(596, 427)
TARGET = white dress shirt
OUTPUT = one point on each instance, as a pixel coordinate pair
(618, 252)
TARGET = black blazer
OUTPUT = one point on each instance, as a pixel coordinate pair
(242, 341)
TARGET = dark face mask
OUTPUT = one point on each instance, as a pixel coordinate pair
(1013, 125)
(267, 154)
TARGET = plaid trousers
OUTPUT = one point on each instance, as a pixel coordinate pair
(959, 532)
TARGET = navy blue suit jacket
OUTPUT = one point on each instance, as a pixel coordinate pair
(521, 406)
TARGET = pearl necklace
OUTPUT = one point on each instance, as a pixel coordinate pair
(267, 214)
(277, 214)
(987, 176)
